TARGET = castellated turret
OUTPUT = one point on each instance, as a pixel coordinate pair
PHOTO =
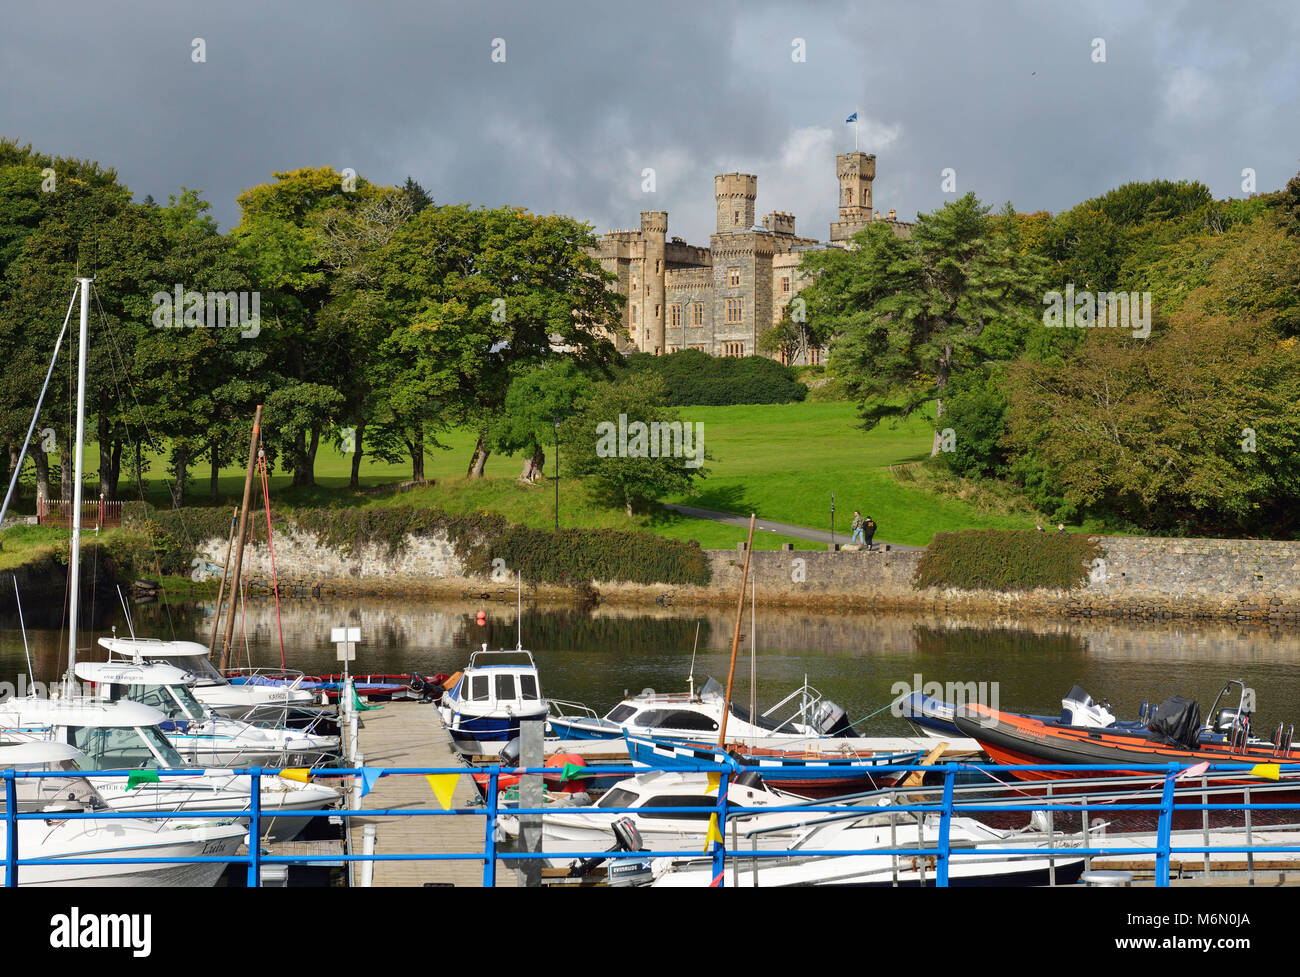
(654, 227)
(855, 172)
(735, 193)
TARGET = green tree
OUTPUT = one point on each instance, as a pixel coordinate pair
(631, 478)
(909, 314)
(537, 400)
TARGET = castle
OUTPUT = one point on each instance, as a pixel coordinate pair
(721, 298)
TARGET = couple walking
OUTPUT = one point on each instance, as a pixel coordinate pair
(863, 529)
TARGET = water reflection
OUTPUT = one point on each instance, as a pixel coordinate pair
(594, 656)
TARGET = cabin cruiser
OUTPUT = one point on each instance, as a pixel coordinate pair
(251, 702)
(883, 829)
(202, 738)
(59, 837)
(485, 703)
(803, 714)
(690, 799)
(126, 736)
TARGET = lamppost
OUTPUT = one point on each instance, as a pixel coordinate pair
(556, 422)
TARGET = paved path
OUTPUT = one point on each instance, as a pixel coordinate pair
(780, 528)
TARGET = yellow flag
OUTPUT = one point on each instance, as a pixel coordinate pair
(713, 835)
(444, 785)
(713, 780)
(297, 773)
(1269, 771)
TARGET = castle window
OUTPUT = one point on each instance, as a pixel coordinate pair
(675, 316)
(634, 283)
(656, 312)
(733, 277)
(634, 315)
(735, 310)
(672, 348)
(814, 356)
(699, 346)
(658, 266)
(697, 314)
(733, 349)
(785, 284)
(737, 220)
(784, 357)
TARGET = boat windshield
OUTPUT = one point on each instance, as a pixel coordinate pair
(176, 701)
(124, 747)
(55, 794)
(200, 666)
(712, 687)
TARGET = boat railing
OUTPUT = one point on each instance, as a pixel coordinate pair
(518, 652)
(1155, 792)
(267, 675)
(802, 700)
(562, 712)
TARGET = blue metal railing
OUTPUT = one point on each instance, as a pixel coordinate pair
(948, 805)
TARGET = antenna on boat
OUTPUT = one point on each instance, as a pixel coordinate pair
(519, 612)
(690, 679)
(127, 611)
(31, 688)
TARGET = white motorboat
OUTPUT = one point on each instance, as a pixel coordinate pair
(202, 738)
(125, 736)
(251, 702)
(974, 862)
(802, 715)
(691, 799)
(59, 837)
(484, 705)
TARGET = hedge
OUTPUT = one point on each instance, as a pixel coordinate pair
(695, 379)
(1001, 559)
(479, 538)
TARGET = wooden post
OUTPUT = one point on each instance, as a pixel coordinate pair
(735, 638)
(243, 525)
(221, 590)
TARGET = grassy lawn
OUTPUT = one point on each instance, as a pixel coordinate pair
(780, 461)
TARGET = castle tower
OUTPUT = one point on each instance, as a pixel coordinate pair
(735, 193)
(855, 172)
(654, 229)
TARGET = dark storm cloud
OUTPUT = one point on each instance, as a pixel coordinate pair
(590, 95)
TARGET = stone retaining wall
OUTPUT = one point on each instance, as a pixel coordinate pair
(1245, 580)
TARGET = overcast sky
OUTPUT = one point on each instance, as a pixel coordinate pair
(1009, 95)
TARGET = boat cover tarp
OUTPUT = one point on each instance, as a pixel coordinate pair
(1177, 723)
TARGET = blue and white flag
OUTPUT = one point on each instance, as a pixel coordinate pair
(851, 118)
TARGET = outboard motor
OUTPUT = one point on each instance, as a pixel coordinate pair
(1078, 709)
(626, 838)
(509, 754)
(830, 719)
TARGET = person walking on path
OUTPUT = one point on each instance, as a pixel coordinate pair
(869, 528)
(857, 526)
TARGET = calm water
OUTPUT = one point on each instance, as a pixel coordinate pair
(595, 656)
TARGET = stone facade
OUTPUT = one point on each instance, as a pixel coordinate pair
(721, 298)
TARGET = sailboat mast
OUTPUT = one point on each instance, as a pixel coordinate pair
(74, 565)
(735, 637)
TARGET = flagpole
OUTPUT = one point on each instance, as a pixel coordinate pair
(855, 130)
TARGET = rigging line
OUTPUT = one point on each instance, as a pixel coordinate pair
(114, 354)
(31, 675)
(270, 542)
(40, 401)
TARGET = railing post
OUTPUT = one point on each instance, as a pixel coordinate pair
(11, 829)
(1162, 832)
(255, 828)
(490, 835)
(945, 823)
(720, 847)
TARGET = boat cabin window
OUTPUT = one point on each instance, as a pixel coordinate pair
(55, 793)
(528, 687)
(478, 688)
(506, 687)
(676, 719)
(617, 797)
(620, 713)
(696, 807)
(200, 667)
(175, 701)
(124, 747)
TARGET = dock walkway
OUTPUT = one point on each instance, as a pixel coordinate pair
(411, 734)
